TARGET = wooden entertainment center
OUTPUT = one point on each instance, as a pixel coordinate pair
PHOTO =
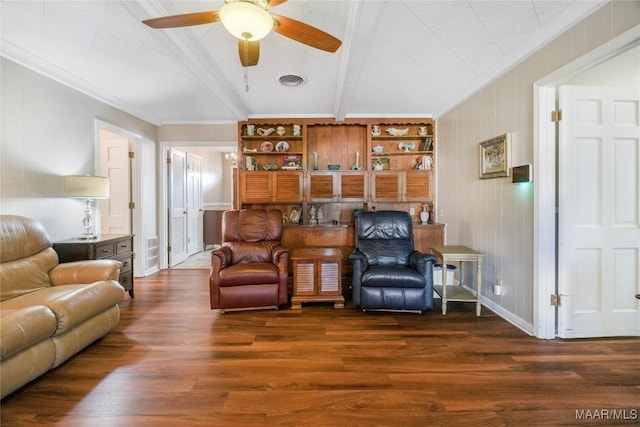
(382, 164)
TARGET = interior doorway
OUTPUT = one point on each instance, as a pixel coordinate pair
(215, 191)
(548, 270)
(118, 152)
(598, 211)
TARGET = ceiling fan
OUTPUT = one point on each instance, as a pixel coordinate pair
(249, 21)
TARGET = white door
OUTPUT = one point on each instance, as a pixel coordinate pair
(115, 213)
(599, 218)
(194, 204)
(177, 207)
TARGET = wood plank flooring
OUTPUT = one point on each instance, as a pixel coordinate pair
(172, 362)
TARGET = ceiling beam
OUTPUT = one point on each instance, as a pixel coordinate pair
(185, 51)
(362, 19)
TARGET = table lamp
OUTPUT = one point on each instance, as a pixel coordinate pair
(88, 188)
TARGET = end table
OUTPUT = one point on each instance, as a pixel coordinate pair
(317, 276)
(450, 253)
(112, 246)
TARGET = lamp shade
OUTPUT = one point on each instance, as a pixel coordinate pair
(246, 21)
(89, 187)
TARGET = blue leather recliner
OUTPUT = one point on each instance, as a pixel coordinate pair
(388, 273)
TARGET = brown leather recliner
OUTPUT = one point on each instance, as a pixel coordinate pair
(249, 271)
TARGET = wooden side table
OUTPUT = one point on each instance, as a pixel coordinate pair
(450, 253)
(107, 246)
(317, 276)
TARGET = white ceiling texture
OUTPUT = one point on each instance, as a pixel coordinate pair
(398, 58)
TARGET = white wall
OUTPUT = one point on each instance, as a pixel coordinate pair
(216, 178)
(496, 216)
(49, 131)
(623, 70)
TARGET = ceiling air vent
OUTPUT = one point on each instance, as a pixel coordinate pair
(290, 80)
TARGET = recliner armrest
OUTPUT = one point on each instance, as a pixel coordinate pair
(278, 253)
(358, 256)
(80, 272)
(421, 261)
(221, 258)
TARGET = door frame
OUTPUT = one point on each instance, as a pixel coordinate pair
(545, 229)
(136, 182)
(163, 218)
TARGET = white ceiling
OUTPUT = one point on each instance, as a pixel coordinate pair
(398, 58)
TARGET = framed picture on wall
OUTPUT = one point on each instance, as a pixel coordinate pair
(493, 157)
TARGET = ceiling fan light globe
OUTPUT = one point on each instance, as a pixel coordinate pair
(246, 21)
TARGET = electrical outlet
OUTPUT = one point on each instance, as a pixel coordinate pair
(412, 211)
(497, 288)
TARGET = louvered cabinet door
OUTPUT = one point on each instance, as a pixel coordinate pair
(353, 186)
(386, 186)
(256, 187)
(321, 186)
(417, 186)
(287, 187)
(304, 278)
(329, 278)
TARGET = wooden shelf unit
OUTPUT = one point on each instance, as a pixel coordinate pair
(355, 185)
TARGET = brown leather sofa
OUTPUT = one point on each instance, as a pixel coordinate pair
(249, 271)
(48, 311)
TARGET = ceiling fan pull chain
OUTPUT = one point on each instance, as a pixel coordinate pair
(246, 67)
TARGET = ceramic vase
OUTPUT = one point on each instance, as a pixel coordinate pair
(424, 215)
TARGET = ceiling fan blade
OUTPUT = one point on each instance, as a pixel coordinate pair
(304, 33)
(274, 3)
(249, 52)
(185, 20)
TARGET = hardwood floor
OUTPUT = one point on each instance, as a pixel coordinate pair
(172, 361)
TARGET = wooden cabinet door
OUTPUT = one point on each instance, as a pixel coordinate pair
(386, 186)
(256, 187)
(287, 187)
(352, 186)
(321, 186)
(416, 186)
(426, 236)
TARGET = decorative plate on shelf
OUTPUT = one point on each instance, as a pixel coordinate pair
(266, 147)
(397, 132)
(282, 146)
